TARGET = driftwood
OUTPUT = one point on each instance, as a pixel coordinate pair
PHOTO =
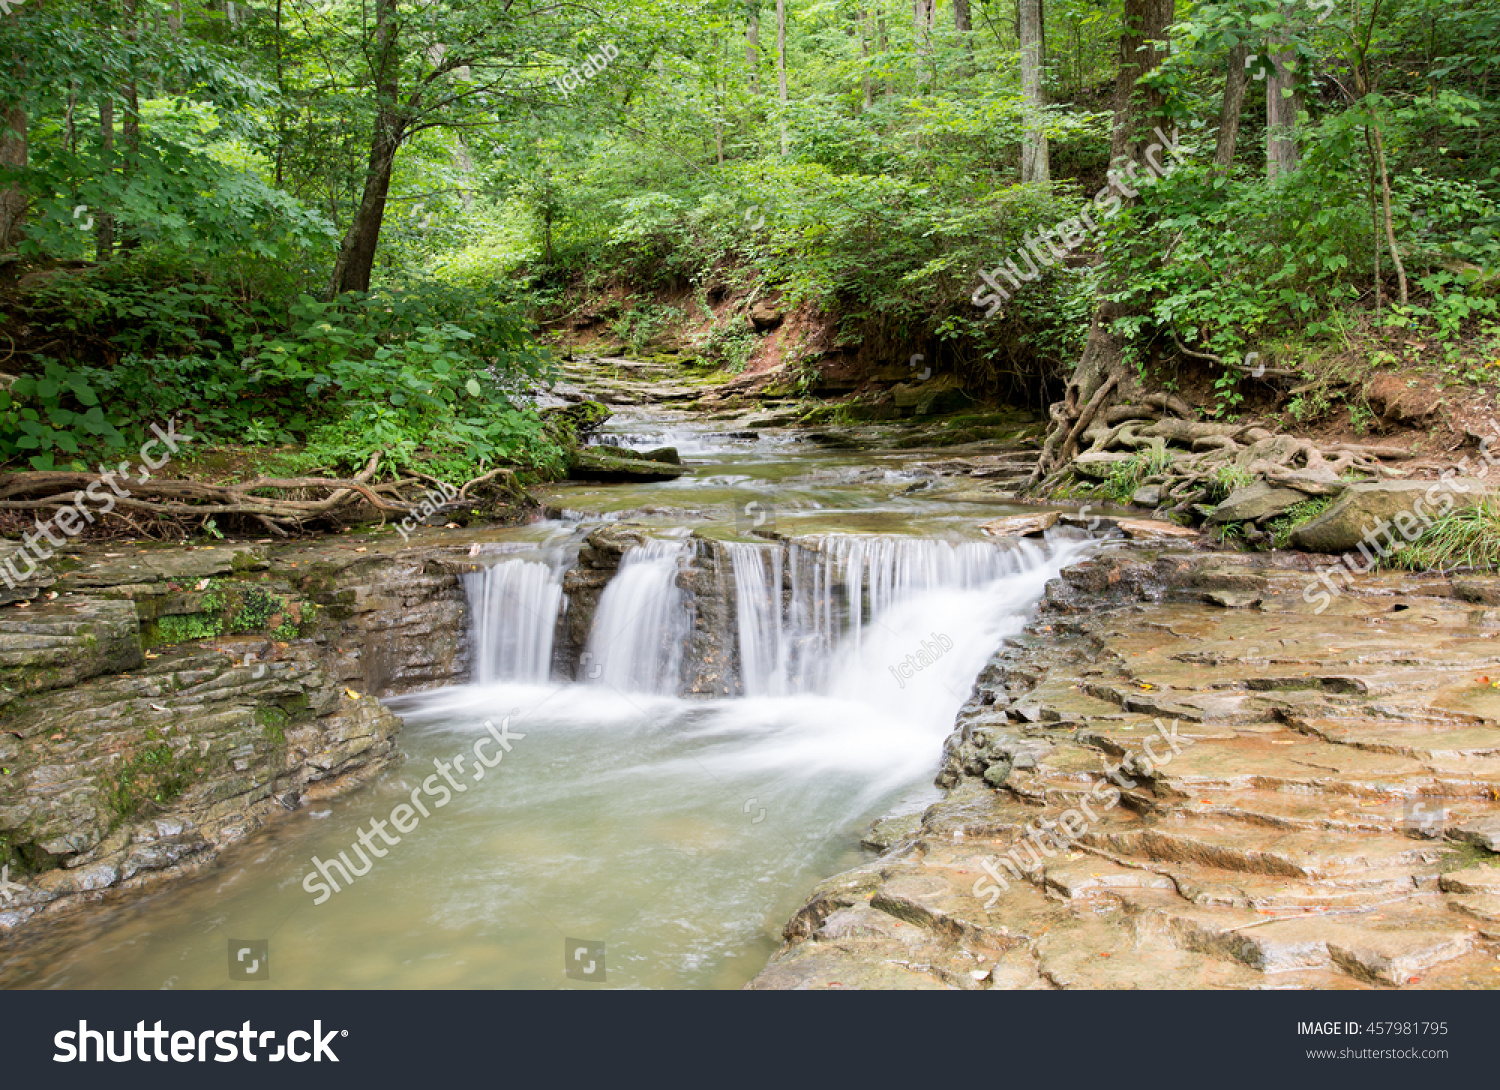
(301, 499)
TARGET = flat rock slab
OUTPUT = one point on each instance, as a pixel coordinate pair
(51, 645)
(1021, 525)
(1154, 530)
(1256, 503)
(1283, 841)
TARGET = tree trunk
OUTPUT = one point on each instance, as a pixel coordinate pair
(867, 97)
(1034, 164)
(104, 223)
(1138, 111)
(963, 22)
(921, 17)
(1233, 106)
(1282, 105)
(786, 147)
(130, 124)
(356, 260)
(752, 46)
(12, 155)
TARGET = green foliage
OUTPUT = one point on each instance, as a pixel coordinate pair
(426, 377)
(57, 411)
(1127, 476)
(1282, 525)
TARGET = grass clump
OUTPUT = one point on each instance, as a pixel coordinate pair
(1282, 525)
(1461, 539)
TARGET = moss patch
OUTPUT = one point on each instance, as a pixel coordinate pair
(150, 778)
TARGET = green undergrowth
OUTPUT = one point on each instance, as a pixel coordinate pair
(229, 606)
(1461, 539)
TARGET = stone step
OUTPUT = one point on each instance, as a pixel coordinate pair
(1236, 847)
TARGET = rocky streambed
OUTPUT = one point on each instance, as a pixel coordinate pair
(1190, 768)
(1185, 775)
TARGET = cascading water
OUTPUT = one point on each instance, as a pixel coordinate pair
(641, 624)
(513, 609)
(681, 831)
(842, 588)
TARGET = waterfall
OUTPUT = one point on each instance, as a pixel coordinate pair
(797, 613)
(641, 624)
(514, 608)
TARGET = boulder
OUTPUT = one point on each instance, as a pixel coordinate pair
(766, 316)
(1148, 495)
(1098, 466)
(1256, 503)
(616, 464)
(942, 394)
(1365, 509)
(1021, 525)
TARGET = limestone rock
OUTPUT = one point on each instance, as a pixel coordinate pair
(1154, 530)
(618, 464)
(1148, 495)
(1021, 525)
(1256, 503)
(942, 394)
(51, 645)
(1399, 505)
(766, 316)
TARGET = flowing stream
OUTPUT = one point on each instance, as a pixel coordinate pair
(677, 831)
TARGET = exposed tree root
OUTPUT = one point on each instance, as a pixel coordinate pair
(282, 505)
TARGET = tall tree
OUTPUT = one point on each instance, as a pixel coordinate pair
(1034, 162)
(1282, 106)
(786, 146)
(1233, 105)
(963, 22)
(1140, 108)
(13, 153)
(922, 25)
(752, 44)
(356, 257)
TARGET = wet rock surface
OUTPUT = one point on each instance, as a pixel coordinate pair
(159, 703)
(1300, 799)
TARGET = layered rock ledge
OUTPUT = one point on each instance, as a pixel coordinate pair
(160, 703)
(1327, 817)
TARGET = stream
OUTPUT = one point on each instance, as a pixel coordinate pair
(672, 834)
